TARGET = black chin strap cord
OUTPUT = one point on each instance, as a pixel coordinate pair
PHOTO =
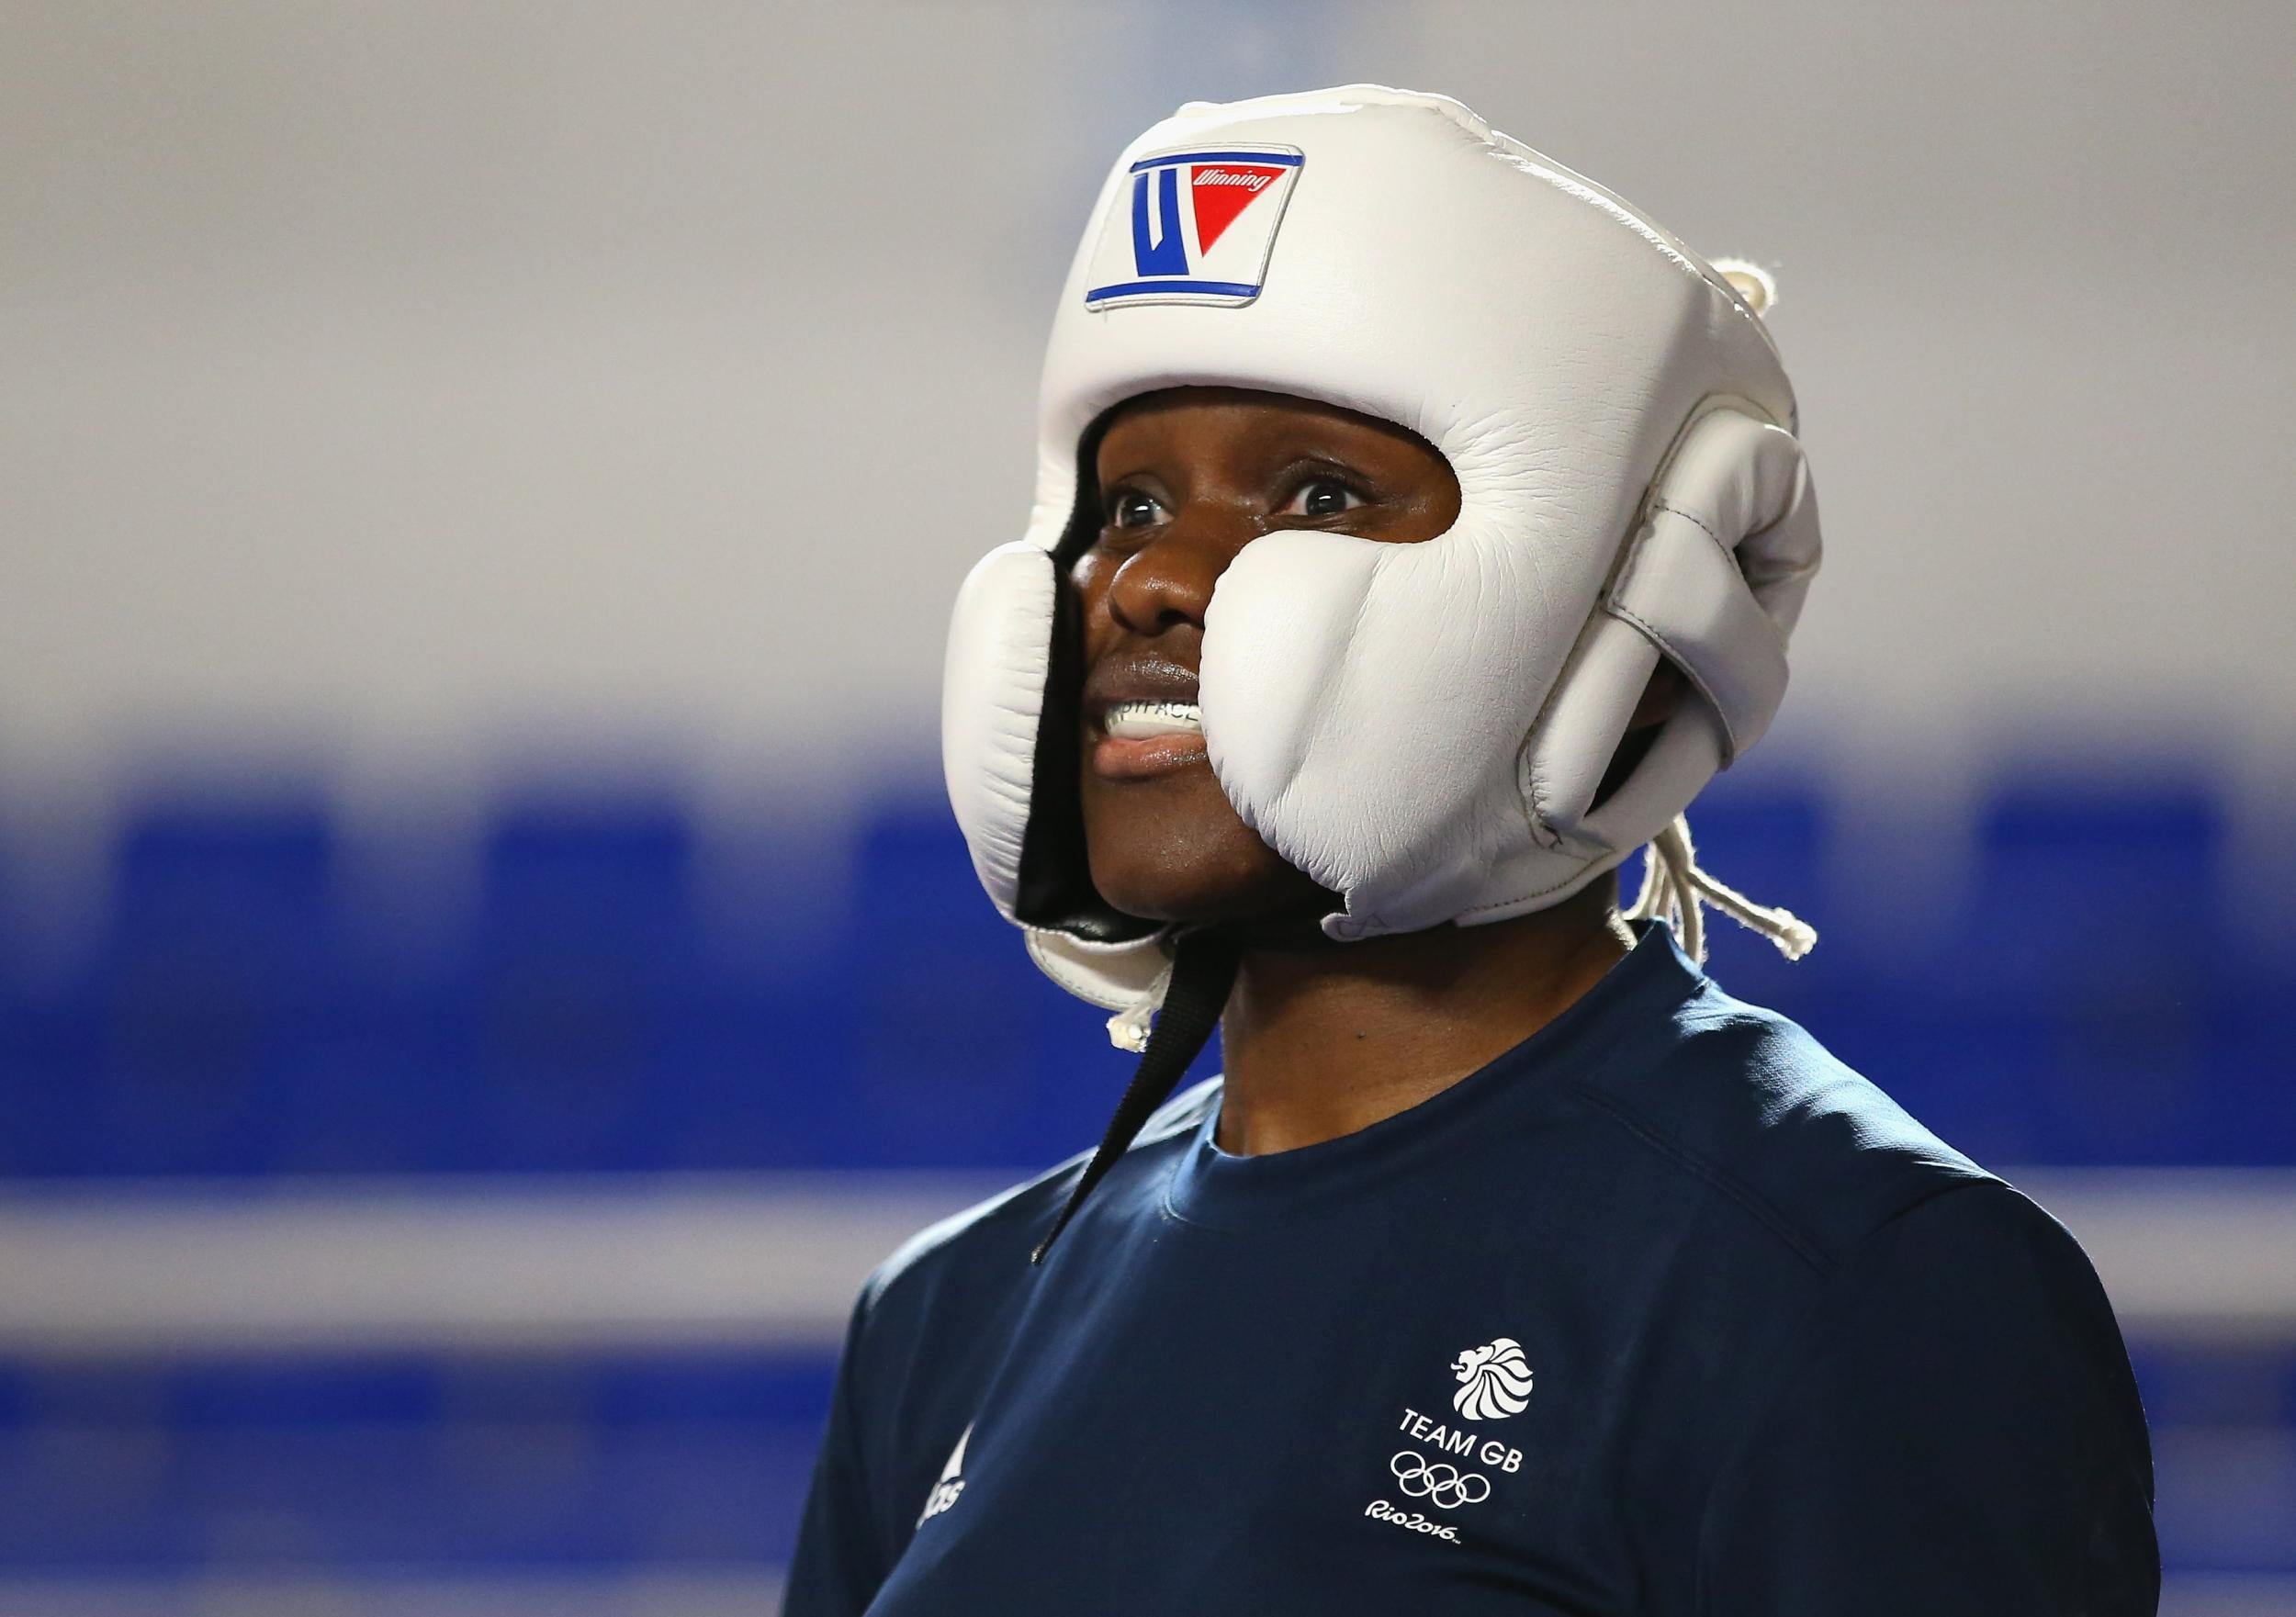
(1203, 971)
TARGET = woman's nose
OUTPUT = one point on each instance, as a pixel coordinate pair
(1168, 582)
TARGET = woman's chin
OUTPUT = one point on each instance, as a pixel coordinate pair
(1172, 849)
(1192, 885)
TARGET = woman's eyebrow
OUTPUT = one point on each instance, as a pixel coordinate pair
(1323, 461)
(1138, 475)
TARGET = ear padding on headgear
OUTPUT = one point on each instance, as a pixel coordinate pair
(1712, 578)
(1716, 575)
(1007, 739)
(995, 676)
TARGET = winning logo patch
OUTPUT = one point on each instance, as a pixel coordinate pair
(1195, 227)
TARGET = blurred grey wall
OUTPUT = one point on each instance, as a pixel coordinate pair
(403, 388)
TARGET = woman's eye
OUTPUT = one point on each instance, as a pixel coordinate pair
(1131, 508)
(1324, 497)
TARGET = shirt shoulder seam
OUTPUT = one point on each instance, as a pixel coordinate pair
(1769, 1217)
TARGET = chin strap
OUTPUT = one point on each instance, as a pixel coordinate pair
(1194, 991)
(1674, 888)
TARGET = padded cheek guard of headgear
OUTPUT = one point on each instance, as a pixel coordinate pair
(1420, 729)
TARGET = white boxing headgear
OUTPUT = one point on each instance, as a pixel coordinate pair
(1420, 729)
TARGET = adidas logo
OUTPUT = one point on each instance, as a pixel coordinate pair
(951, 1482)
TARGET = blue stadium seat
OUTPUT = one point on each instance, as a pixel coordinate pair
(2068, 1012)
(2092, 886)
(946, 1017)
(402, 1462)
(586, 944)
(219, 940)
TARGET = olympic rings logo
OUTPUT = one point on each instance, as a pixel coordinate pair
(1443, 1486)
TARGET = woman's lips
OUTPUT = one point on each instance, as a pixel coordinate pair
(1138, 739)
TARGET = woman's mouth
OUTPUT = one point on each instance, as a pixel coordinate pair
(1143, 739)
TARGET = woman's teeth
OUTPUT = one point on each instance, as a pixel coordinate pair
(1135, 720)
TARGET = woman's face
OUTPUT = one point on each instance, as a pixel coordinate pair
(1188, 478)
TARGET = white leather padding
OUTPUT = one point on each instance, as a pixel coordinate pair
(1734, 500)
(1420, 729)
(1365, 705)
(1711, 578)
(1000, 652)
(999, 658)
(1111, 975)
(1566, 757)
(1363, 701)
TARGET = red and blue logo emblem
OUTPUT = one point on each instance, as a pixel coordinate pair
(1193, 227)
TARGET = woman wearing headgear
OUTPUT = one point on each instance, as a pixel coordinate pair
(1418, 529)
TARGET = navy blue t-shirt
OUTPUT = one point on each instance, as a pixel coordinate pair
(1663, 1311)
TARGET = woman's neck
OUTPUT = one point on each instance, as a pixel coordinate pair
(1322, 1038)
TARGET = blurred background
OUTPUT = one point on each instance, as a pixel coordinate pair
(485, 965)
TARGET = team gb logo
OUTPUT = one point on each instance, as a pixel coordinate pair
(1494, 1381)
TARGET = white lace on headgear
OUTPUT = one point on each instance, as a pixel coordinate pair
(1674, 888)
